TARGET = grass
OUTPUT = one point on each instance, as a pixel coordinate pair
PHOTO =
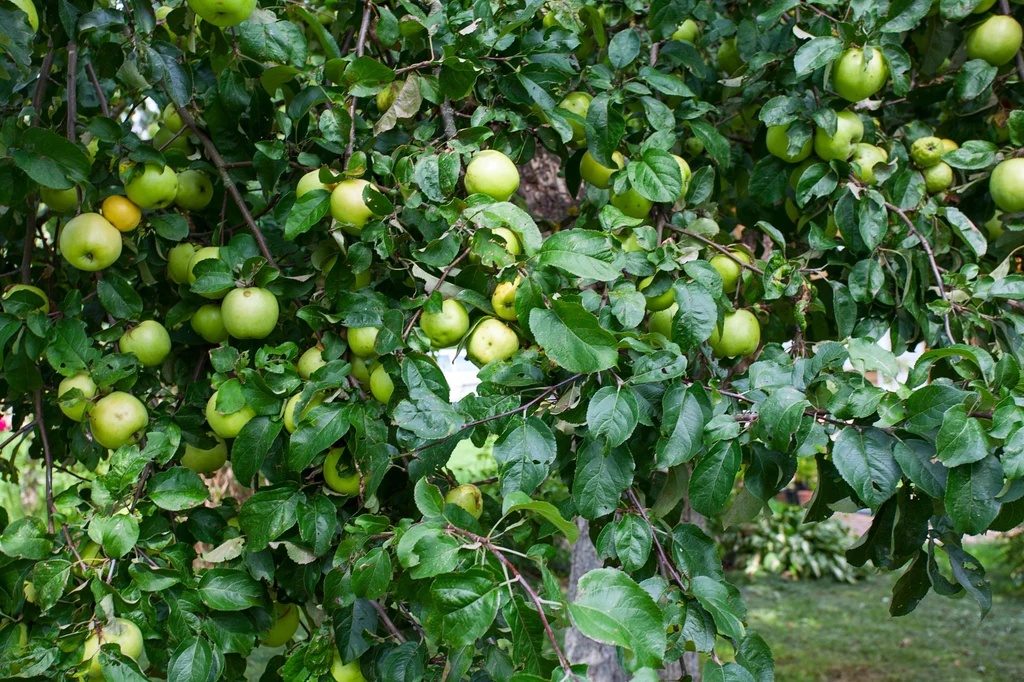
(830, 632)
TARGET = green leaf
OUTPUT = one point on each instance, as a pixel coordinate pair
(971, 492)
(816, 53)
(428, 499)
(722, 602)
(716, 145)
(961, 439)
(307, 211)
(573, 338)
(320, 428)
(697, 316)
(583, 253)
(249, 450)
(713, 477)
(177, 489)
(191, 661)
(268, 514)
(633, 541)
(611, 608)
(602, 474)
(468, 603)
(695, 553)
(119, 298)
(371, 574)
(613, 414)
(656, 176)
(623, 48)
(50, 159)
(49, 578)
(26, 538)
(524, 453)
(916, 459)
(318, 522)
(229, 589)
(520, 501)
(865, 461)
(117, 534)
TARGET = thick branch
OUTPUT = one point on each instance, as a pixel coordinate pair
(440, 281)
(47, 457)
(229, 184)
(104, 107)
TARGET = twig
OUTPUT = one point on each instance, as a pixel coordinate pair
(486, 544)
(104, 107)
(229, 184)
(669, 566)
(72, 90)
(74, 549)
(17, 433)
(142, 484)
(722, 249)
(387, 621)
(414, 67)
(174, 137)
(440, 281)
(409, 616)
(447, 119)
(360, 47)
(30, 243)
(48, 458)
(478, 422)
(931, 259)
(44, 77)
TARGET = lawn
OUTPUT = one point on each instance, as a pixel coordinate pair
(830, 632)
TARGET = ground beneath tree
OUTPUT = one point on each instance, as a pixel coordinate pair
(829, 632)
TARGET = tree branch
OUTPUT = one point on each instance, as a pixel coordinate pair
(44, 77)
(229, 184)
(30, 243)
(104, 107)
(669, 566)
(360, 47)
(723, 250)
(387, 621)
(48, 458)
(17, 433)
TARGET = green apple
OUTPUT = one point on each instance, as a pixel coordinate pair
(118, 419)
(122, 632)
(386, 97)
(492, 340)
(994, 226)
(381, 385)
(492, 173)
(684, 173)
(178, 260)
(169, 116)
(864, 159)
(1006, 185)
(688, 31)
(165, 140)
(632, 204)
(154, 187)
(227, 425)
(729, 59)
(927, 151)
(577, 103)
(92, 558)
(596, 174)
(250, 313)
(59, 200)
(661, 321)
(89, 242)
(938, 178)
(205, 461)
(997, 40)
(849, 131)
(983, 7)
(121, 213)
(348, 207)
(468, 497)
(345, 672)
(286, 622)
(447, 327)
(202, 254)
(195, 191)
(949, 145)
(290, 422)
(855, 77)
(149, 342)
(311, 181)
(740, 335)
(223, 13)
(83, 382)
(729, 269)
(693, 146)
(359, 369)
(503, 300)
(43, 307)
(29, 8)
(777, 141)
(659, 302)
(208, 322)
(310, 361)
(629, 243)
(361, 339)
(340, 476)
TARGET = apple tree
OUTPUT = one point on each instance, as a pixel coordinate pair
(233, 237)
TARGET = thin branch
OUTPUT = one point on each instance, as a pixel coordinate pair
(437, 285)
(478, 422)
(725, 251)
(174, 137)
(72, 90)
(74, 549)
(447, 119)
(17, 433)
(486, 544)
(387, 621)
(669, 566)
(30, 243)
(931, 259)
(44, 77)
(229, 184)
(360, 47)
(48, 458)
(142, 484)
(414, 67)
(104, 107)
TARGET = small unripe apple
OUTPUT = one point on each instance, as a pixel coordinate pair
(503, 300)
(310, 361)
(359, 369)
(386, 97)
(250, 313)
(309, 182)
(729, 59)
(684, 173)
(154, 187)
(149, 341)
(223, 13)
(777, 141)
(205, 461)
(1006, 185)
(345, 672)
(661, 321)
(577, 103)
(227, 425)
(59, 200)
(348, 207)
(89, 242)
(938, 178)
(43, 308)
(83, 382)
(208, 322)
(492, 173)
(290, 422)
(849, 132)
(447, 327)
(121, 212)
(286, 622)
(381, 385)
(178, 261)
(659, 302)
(740, 335)
(927, 151)
(118, 419)
(467, 496)
(632, 204)
(949, 145)
(997, 40)
(856, 78)
(361, 339)
(169, 116)
(124, 633)
(92, 558)
(492, 340)
(688, 31)
(693, 146)
(865, 158)
(596, 174)
(195, 191)
(339, 475)
(729, 269)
